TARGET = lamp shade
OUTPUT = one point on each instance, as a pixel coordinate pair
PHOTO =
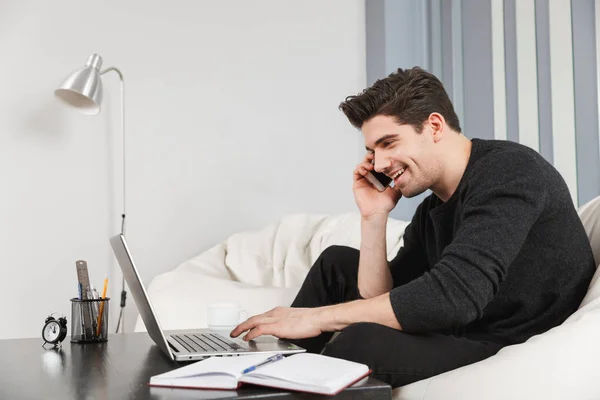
(82, 89)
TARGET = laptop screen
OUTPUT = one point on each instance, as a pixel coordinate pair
(138, 291)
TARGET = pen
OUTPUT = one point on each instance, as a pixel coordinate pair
(80, 297)
(94, 296)
(271, 359)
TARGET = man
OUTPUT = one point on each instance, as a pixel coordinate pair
(495, 255)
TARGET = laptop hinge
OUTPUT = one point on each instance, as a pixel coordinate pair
(173, 348)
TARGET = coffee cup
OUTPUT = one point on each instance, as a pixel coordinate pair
(224, 316)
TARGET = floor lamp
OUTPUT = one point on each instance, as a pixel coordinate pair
(82, 90)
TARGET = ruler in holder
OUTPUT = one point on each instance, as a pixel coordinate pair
(84, 279)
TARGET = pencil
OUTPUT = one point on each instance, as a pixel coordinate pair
(102, 307)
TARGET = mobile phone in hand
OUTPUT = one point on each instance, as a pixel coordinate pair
(378, 179)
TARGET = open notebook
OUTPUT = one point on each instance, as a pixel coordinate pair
(303, 372)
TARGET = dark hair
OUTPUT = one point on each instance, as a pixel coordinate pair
(409, 96)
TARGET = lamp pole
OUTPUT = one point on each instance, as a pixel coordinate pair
(123, 292)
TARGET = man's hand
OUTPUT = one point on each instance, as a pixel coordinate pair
(284, 322)
(301, 323)
(369, 200)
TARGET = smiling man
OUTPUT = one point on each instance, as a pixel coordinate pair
(495, 255)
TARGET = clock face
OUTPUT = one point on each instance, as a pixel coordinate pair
(51, 332)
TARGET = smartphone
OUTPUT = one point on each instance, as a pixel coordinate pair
(378, 179)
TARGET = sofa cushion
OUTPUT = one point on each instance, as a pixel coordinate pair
(559, 364)
(590, 217)
(281, 254)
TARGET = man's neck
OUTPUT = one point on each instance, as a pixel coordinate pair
(453, 167)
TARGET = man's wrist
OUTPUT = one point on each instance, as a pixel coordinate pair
(337, 317)
(375, 310)
(328, 318)
(375, 218)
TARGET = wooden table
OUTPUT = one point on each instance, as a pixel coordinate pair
(120, 369)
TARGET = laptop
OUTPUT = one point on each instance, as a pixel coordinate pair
(191, 345)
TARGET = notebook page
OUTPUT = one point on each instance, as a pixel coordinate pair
(216, 365)
(313, 370)
(281, 384)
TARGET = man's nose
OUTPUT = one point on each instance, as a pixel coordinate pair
(381, 165)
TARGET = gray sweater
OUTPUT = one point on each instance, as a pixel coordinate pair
(505, 258)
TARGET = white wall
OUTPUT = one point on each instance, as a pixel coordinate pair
(231, 123)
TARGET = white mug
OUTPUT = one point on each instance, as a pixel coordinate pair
(224, 316)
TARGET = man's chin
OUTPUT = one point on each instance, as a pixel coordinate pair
(408, 192)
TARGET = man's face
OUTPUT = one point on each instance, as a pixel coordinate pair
(402, 154)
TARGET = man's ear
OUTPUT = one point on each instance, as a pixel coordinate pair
(436, 123)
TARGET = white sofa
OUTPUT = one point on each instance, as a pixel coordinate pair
(264, 269)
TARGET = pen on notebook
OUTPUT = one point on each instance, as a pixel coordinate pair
(271, 359)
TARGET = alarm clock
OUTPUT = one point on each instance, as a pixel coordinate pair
(55, 330)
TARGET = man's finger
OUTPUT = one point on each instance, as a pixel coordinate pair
(235, 332)
(243, 327)
(250, 323)
(258, 331)
(362, 168)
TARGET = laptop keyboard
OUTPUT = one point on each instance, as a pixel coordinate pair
(207, 343)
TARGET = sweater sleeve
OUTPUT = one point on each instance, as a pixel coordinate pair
(499, 207)
(410, 262)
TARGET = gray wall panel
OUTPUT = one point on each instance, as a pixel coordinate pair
(477, 68)
(586, 100)
(375, 31)
(447, 50)
(542, 36)
(510, 60)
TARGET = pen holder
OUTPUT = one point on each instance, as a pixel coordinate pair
(89, 320)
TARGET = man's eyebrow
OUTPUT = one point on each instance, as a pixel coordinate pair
(382, 139)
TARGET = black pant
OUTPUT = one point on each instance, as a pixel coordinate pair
(395, 357)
